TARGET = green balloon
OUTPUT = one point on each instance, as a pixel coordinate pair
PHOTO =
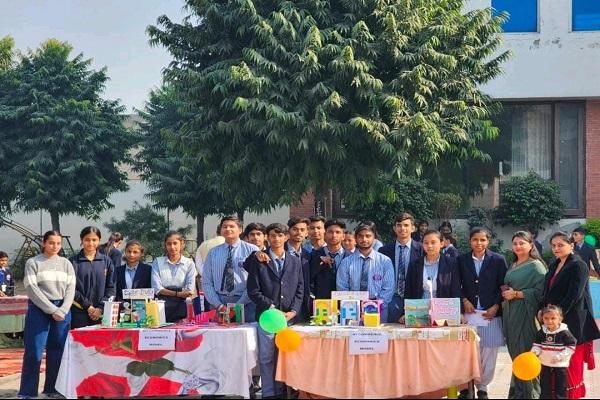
(589, 239)
(272, 321)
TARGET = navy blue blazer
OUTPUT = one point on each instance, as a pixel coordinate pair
(486, 286)
(306, 310)
(267, 288)
(141, 280)
(322, 276)
(451, 251)
(587, 254)
(95, 281)
(448, 279)
(571, 291)
(416, 252)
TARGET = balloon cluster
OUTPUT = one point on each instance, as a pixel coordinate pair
(526, 366)
(286, 339)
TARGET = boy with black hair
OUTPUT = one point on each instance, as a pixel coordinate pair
(278, 284)
(316, 233)
(7, 283)
(255, 233)
(325, 261)
(584, 250)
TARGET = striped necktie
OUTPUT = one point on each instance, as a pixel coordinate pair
(401, 271)
(228, 282)
(364, 275)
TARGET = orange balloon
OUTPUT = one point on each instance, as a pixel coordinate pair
(288, 340)
(526, 366)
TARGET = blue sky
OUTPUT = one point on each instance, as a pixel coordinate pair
(111, 32)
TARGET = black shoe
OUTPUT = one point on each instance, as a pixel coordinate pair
(464, 394)
(482, 395)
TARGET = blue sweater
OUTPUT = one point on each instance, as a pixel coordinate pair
(95, 281)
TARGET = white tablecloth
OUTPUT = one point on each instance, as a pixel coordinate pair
(100, 361)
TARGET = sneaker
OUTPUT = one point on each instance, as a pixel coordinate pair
(482, 395)
(464, 394)
(52, 395)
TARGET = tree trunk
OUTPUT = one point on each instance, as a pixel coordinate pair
(199, 229)
(54, 218)
(240, 215)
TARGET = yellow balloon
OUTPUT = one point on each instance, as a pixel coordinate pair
(526, 366)
(288, 340)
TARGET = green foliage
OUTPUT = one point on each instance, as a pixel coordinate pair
(7, 45)
(479, 216)
(146, 225)
(391, 197)
(529, 202)
(61, 142)
(316, 95)
(172, 183)
(444, 205)
(592, 225)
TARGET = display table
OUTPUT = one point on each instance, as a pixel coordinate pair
(418, 361)
(106, 362)
(12, 313)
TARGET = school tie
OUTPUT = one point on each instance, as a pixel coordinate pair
(279, 263)
(333, 264)
(364, 276)
(401, 272)
(228, 276)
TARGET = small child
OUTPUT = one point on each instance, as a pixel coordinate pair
(554, 345)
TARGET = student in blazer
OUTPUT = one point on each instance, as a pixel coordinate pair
(407, 249)
(324, 262)
(448, 279)
(482, 275)
(133, 271)
(584, 250)
(276, 282)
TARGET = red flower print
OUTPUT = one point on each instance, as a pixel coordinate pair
(103, 385)
(156, 386)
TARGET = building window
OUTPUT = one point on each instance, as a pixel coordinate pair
(586, 15)
(546, 138)
(523, 14)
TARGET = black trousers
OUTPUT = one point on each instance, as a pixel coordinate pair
(553, 382)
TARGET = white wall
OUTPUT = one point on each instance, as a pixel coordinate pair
(11, 241)
(551, 63)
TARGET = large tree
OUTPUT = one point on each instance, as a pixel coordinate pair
(309, 95)
(67, 141)
(172, 183)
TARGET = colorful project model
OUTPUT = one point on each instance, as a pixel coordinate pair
(371, 310)
(416, 312)
(445, 312)
(325, 311)
(350, 312)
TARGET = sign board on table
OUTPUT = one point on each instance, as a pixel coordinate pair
(368, 342)
(157, 339)
(138, 293)
(349, 295)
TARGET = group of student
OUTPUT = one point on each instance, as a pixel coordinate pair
(277, 267)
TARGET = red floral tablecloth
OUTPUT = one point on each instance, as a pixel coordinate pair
(106, 362)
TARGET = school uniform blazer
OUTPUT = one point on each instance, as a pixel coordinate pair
(571, 292)
(266, 288)
(141, 280)
(416, 252)
(587, 254)
(322, 276)
(448, 279)
(486, 286)
(306, 310)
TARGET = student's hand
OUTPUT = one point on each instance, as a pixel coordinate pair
(95, 316)
(91, 311)
(262, 257)
(468, 306)
(57, 317)
(184, 294)
(556, 359)
(326, 260)
(2, 294)
(491, 312)
(509, 294)
(289, 315)
(463, 319)
(402, 320)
